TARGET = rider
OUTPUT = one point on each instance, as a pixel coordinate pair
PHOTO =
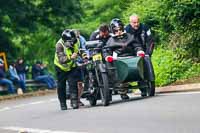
(66, 68)
(101, 34)
(130, 46)
(143, 34)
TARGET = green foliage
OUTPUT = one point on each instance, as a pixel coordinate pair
(97, 12)
(39, 45)
(183, 18)
(169, 68)
(175, 23)
(20, 19)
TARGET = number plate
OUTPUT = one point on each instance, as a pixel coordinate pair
(96, 57)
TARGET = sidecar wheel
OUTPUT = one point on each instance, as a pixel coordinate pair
(151, 88)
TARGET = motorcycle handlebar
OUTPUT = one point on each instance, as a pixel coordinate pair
(94, 44)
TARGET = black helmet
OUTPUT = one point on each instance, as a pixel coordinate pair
(116, 23)
(69, 36)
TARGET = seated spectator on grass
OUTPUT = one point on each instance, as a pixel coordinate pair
(15, 77)
(5, 81)
(39, 75)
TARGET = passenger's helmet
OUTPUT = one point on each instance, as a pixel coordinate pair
(116, 24)
(69, 36)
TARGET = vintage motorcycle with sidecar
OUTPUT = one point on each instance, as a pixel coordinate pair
(107, 74)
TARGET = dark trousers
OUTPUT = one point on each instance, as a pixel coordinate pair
(148, 69)
(72, 77)
(148, 73)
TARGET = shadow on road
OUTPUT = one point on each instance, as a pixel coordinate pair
(131, 99)
(119, 101)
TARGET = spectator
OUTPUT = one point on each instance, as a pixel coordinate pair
(15, 77)
(22, 69)
(5, 81)
(44, 69)
(38, 75)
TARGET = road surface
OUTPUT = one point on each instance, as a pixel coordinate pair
(164, 113)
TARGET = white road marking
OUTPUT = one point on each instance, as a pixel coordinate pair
(27, 104)
(34, 130)
(180, 93)
(38, 102)
(5, 109)
(54, 99)
(19, 106)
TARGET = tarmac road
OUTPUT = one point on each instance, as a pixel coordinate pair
(164, 113)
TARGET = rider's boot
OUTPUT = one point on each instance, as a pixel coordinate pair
(74, 101)
(63, 106)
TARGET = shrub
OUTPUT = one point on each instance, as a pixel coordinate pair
(168, 68)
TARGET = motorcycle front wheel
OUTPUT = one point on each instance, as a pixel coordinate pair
(104, 89)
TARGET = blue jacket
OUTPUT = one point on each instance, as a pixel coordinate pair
(13, 73)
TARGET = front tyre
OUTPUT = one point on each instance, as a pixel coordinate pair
(104, 89)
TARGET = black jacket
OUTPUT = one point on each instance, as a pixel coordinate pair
(21, 68)
(143, 36)
(129, 44)
(36, 71)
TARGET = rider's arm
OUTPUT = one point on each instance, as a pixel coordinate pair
(136, 44)
(61, 54)
(137, 47)
(150, 45)
(149, 41)
(108, 51)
